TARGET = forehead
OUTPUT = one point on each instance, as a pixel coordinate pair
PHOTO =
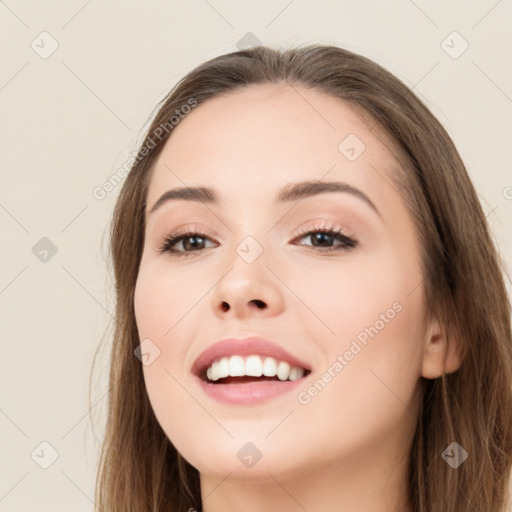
(255, 140)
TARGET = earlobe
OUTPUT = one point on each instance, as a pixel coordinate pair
(435, 350)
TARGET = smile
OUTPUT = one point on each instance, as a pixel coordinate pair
(252, 366)
(249, 371)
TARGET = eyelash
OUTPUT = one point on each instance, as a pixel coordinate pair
(347, 242)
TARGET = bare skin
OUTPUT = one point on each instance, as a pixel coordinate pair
(345, 446)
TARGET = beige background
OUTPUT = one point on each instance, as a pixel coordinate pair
(71, 119)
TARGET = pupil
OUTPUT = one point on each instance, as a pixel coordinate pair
(322, 237)
(188, 240)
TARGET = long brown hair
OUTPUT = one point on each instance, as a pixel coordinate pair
(140, 469)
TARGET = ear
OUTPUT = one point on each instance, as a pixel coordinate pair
(436, 348)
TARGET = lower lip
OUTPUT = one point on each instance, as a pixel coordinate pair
(250, 393)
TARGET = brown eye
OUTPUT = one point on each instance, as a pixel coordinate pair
(190, 242)
(326, 238)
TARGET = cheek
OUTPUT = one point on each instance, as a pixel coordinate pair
(372, 331)
(162, 298)
(163, 303)
(367, 392)
(344, 298)
(371, 374)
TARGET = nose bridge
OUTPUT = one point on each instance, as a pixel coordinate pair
(251, 249)
(250, 239)
(249, 259)
(247, 284)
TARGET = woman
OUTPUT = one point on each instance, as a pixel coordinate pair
(305, 273)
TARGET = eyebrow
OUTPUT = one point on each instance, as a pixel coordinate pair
(290, 192)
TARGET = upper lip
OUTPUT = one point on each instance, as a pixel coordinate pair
(244, 347)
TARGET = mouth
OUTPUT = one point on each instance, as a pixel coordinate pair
(248, 371)
(253, 368)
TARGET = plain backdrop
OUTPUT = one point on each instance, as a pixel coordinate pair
(78, 82)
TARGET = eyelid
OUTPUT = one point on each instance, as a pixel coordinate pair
(183, 232)
(322, 224)
(317, 224)
(348, 240)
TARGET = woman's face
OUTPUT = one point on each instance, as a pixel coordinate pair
(351, 316)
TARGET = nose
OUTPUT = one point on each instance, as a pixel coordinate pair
(248, 289)
(225, 306)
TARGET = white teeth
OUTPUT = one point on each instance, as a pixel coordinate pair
(219, 369)
(283, 370)
(236, 366)
(270, 367)
(296, 373)
(223, 367)
(215, 371)
(253, 366)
